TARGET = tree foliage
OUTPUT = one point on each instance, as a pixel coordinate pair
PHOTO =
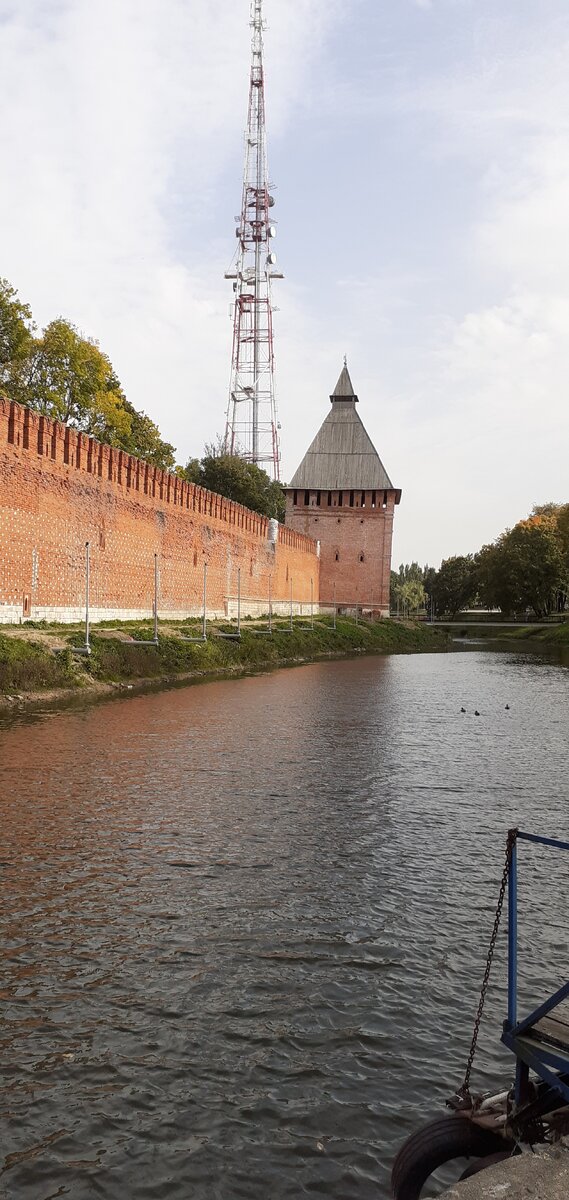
(238, 480)
(455, 585)
(67, 377)
(525, 569)
(16, 331)
(407, 591)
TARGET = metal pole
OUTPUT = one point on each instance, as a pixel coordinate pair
(204, 634)
(291, 605)
(87, 582)
(239, 600)
(155, 597)
(270, 606)
(512, 938)
(334, 606)
(311, 604)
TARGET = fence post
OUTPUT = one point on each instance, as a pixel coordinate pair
(87, 583)
(270, 606)
(334, 606)
(312, 604)
(239, 601)
(155, 597)
(291, 604)
(204, 634)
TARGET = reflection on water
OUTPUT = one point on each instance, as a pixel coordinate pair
(245, 924)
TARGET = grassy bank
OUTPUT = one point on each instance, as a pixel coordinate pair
(550, 635)
(546, 635)
(37, 660)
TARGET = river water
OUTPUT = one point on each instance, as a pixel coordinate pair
(244, 924)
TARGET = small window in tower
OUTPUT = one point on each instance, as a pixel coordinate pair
(307, 497)
(337, 556)
(362, 558)
(329, 499)
(385, 499)
(351, 499)
(295, 497)
(340, 499)
(318, 499)
(363, 499)
(373, 499)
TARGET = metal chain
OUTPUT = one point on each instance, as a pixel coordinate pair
(464, 1090)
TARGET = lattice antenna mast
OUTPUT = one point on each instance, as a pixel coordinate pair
(252, 426)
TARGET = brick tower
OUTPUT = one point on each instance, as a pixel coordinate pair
(341, 495)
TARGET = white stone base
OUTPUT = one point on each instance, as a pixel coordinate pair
(11, 614)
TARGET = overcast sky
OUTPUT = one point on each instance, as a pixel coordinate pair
(420, 155)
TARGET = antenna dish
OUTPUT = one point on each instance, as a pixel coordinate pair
(271, 259)
(271, 201)
(272, 231)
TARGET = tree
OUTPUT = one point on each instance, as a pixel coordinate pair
(534, 550)
(16, 336)
(144, 441)
(407, 592)
(455, 584)
(231, 476)
(67, 377)
(497, 579)
(527, 566)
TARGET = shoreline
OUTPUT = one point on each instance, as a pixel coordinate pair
(38, 667)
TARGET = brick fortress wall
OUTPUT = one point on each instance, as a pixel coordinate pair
(355, 530)
(60, 489)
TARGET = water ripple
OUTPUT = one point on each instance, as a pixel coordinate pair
(245, 924)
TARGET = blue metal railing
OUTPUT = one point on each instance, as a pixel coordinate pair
(539, 1059)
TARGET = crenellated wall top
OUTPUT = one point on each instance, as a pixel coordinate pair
(59, 444)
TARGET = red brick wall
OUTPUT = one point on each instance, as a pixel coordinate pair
(352, 533)
(60, 489)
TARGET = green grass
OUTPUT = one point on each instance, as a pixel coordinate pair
(33, 666)
(557, 635)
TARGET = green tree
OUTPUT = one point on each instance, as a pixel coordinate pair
(527, 566)
(231, 476)
(455, 584)
(497, 579)
(534, 550)
(16, 337)
(143, 440)
(67, 377)
(407, 593)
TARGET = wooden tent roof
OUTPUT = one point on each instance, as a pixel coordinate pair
(342, 455)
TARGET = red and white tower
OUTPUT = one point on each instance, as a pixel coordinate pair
(252, 428)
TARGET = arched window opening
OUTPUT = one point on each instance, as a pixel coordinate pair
(337, 556)
(362, 557)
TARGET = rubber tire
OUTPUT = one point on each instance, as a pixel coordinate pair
(438, 1142)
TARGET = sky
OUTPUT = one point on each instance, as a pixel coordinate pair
(419, 151)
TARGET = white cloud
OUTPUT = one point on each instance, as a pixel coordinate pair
(119, 125)
(121, 118)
